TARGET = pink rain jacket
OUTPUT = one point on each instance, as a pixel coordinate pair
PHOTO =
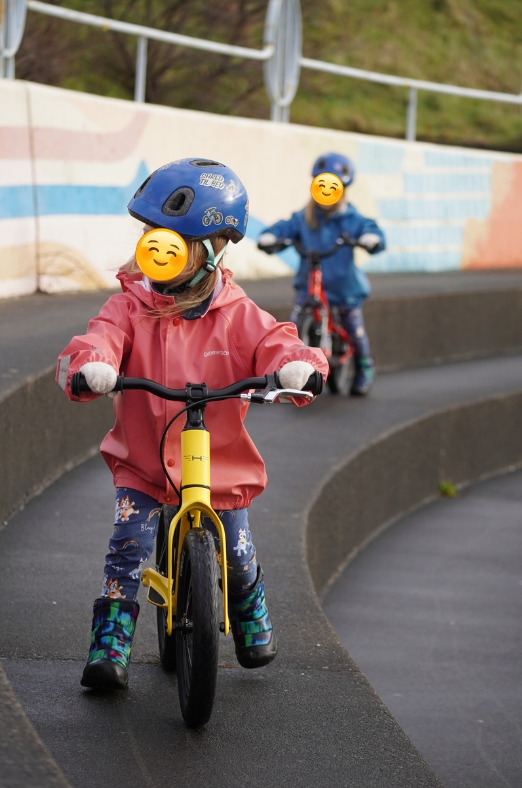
(235, 339)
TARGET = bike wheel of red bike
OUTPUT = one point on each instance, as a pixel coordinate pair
(309, 331)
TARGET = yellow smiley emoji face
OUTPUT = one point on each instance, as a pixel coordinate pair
(161, 254)
(327, 188)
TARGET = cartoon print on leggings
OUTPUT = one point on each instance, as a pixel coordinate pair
(242, 543)
(124, 509)
(111, 588)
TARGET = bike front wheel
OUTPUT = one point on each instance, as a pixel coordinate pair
(197, 627)
(308, 330)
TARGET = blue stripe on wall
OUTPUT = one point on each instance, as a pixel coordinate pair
(447, 182)
(379, 159)
(424, 236)
(385, 262)
(17, 201)
(434, 158)
(408, 209)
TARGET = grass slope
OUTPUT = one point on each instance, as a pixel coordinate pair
(473, 43)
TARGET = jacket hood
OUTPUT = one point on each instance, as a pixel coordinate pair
(140, 286)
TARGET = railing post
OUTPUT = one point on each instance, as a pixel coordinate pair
(283, 32)
(12, 24)
(9, 68)
(411, 118)
(141, 70)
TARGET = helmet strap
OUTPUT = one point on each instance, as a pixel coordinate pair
(210, 263)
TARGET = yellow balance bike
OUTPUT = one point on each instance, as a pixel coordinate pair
(185, 586)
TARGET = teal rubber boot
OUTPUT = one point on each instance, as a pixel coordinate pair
(363, 378)
(252, 629)
(113, 625)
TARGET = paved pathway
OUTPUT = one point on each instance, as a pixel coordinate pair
(313, 711)
(430, 611)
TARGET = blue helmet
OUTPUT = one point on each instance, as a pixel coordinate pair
(337, 164)
(197, 198)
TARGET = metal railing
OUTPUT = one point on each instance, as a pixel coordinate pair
(414, 86)
(144, 34)
(281, 55)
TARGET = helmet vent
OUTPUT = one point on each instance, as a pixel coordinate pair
(145, 182)
(179, 202)
(205, 163)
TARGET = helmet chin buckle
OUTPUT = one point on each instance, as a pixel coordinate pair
(210, 264)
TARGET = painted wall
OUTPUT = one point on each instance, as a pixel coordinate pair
(69, 163)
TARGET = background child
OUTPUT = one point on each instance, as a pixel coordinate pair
(317, 227)
(197, 327)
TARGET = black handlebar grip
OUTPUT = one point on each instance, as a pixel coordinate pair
(315, 383)
(78, 384)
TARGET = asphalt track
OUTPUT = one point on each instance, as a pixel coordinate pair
(309, 719)
(430, 611)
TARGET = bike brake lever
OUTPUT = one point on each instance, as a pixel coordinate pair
(269, 396)
(273, 395)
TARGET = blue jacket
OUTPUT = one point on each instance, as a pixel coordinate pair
(344, 283)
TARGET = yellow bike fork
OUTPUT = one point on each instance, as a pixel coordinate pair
(195, 503)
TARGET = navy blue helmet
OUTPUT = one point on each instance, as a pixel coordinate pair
(337, 164)
(197, 198)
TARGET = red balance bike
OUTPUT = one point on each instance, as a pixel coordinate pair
(318, 323)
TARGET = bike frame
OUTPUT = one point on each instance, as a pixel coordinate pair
(195, 503)
(318, 302)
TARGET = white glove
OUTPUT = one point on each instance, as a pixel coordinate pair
(100, 377)
(370, 241)
(267, 239)
(295, 374)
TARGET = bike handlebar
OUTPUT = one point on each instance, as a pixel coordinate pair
(345, 239)
(194, 392)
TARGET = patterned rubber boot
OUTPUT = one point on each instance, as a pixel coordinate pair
(113, 625)
(363, 378)
(254, 636)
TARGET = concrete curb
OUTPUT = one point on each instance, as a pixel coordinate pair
(443, 327)
(408, 462)
(43, 435)
(24, 758)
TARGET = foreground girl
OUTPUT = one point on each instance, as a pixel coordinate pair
(174, 324)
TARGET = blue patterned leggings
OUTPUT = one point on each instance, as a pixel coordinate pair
(352, 322)
(131, 544)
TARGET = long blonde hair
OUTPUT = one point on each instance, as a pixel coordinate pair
(193, 296)
(311, 208)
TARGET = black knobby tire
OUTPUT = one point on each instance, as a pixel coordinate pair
(308, 330)
(166, 643)
(197, 621)
(338, 380)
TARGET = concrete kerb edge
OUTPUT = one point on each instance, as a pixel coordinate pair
(43, 435)
(321, 499)
(53, 477)
(380, 529)
(23, 754)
